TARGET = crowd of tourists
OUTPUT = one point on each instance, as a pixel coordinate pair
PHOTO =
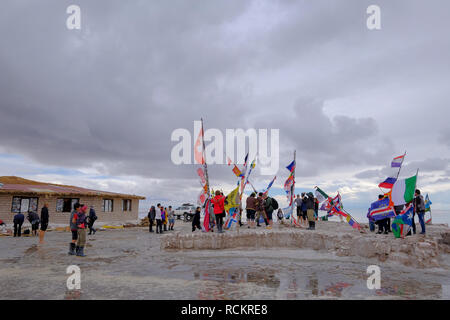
(79, 221)
(162, 217)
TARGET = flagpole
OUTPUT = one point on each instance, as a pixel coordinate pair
(403, 159)
(293, 186)
(204, 159)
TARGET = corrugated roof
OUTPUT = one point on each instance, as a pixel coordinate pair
(15, 185)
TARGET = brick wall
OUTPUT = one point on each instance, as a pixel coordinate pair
(63, 217)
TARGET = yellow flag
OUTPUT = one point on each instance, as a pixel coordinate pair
(232, 200)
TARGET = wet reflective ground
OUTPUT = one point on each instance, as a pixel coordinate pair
(128, 264)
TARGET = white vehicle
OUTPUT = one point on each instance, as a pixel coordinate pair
(187, 210)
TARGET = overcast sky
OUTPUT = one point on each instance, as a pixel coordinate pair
(96, 107)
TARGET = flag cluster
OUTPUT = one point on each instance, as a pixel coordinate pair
(390, 181)
(403, 222)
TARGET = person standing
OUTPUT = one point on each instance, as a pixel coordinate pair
(419, 208)
(310, 211)
(260, 212)
(92, 219)
(268, 208)
(44, 222)
(219, 209)
(158, 217)
(81, 229)
(171, 216)
(298, 203)
(18, 221)
(316, 209)
(196, 220)
(304, 208)
(250, 207)
(151, 218)
(73, 228)
(34, 220)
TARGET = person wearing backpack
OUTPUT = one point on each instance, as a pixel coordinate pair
(270, 204)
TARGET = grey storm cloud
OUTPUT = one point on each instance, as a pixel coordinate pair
(108, 96)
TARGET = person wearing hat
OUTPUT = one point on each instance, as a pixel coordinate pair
(310, 211)
(81, 229)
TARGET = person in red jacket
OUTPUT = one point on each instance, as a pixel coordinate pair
(219, 209)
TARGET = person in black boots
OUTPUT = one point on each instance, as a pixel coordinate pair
(158, 217)
(196, 220)
(151, 218)
(73, 228)
(18, 221)
(81, 228)
(92, 218)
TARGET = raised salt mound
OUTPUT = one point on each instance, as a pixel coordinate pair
(416, 251)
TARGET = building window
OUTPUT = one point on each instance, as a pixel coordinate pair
(126, 205)
(66, 204)
(24, 205)
(108, 205)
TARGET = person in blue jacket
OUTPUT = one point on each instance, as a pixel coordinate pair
(18, 221)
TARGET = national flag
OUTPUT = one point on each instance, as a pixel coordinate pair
(320, 195)
(252, 166)
(245, 160)
(381, 209)
(403, 190)
(237, 172)
(337, 201)
(388, 183)
(231, 218)
(428, 203)
(270, 185)
(201, 174)
(198, 155)
(338, 211)
(403, 222)
(206, 219)
(326, 205)
(291, 167)
(232, 200)
(288, 187)
(287, 212)
(397, 161)
(244, 172)
(201, 198)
